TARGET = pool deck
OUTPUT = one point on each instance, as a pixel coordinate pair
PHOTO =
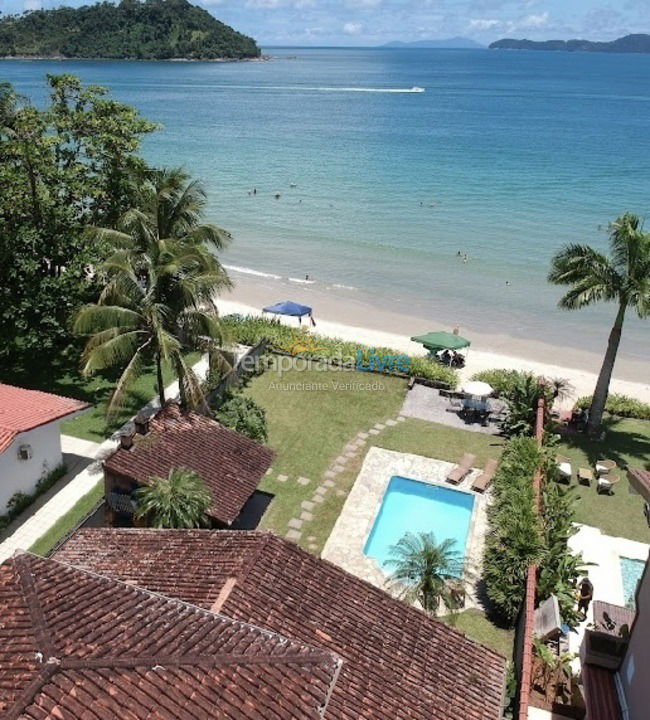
(346, 542)
(604, 551)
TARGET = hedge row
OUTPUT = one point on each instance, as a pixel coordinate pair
(20, 501)
(250, 330)
(514, 540)
(621, 405)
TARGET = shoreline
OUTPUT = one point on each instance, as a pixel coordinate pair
(63, 58)
(355, 320)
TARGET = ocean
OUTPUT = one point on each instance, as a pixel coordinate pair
(445, 204)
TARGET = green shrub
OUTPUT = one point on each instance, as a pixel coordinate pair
(559, 567)
(621, 405)
(501, 380)
(20, 501)
(514, 539)
(250, 330)
(243, 414)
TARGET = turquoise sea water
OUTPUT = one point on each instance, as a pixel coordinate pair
(412, 506)
(505, 157)
(631, 572)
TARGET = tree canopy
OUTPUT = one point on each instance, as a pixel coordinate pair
(147, 30)
(62, 168)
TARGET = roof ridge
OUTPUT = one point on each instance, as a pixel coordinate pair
(176, 601)
(218, 660)
(39, 623)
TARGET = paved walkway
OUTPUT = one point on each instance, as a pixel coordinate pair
(604, 553)
(43, 516)
(425, 403)
(328, 483)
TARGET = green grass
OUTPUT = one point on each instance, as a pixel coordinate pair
(442, 442)
(67, 522)
(476, 626)
(60, 375)
(308, 430)
(620, 514)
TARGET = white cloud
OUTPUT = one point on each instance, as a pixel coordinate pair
(351, 28)
(484, 24)
(534, 21)
(363, 3)
(31, 5)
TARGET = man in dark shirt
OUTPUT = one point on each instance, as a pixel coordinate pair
(586, 595)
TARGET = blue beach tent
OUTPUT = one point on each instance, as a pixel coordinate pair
(287, 307)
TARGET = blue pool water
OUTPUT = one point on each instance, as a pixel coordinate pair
(631, 571)
(413, 506)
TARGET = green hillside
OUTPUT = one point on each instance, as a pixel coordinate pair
(148, 30)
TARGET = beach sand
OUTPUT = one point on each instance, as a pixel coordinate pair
(339, 315)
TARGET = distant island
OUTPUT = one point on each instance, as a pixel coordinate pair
(456, 43)
(639, 43)
(148, 30)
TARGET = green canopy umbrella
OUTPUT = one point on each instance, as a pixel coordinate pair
(436, 341)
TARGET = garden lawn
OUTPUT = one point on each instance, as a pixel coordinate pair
(60, 375)
(308, 429)
(476, 626)
(66, 523)
(441, 442)
(621, 514)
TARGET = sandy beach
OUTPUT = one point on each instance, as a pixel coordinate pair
(339, 315)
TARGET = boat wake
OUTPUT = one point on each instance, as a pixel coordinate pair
(305, 88)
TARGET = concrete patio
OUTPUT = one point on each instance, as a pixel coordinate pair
(425, 403)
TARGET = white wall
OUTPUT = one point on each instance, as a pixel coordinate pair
(17, 474)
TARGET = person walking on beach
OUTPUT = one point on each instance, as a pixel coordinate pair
(586, 595)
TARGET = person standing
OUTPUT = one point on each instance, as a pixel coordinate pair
(586, 595)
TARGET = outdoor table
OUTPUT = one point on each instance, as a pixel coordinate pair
(585, 475)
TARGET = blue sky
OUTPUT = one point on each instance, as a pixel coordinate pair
(372, 22)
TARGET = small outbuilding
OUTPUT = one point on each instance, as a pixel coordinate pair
(30, 437)
(230, 464)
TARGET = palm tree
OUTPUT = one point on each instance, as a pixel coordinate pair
(623, 278)
(181, 500)
(426, 571)
(159, 300)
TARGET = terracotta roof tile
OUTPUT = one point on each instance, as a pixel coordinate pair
(399, 663)
(77, 646)
(22, 410)
(230, 464)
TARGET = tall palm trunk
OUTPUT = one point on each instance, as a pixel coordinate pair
(602, 386)
(160, 381)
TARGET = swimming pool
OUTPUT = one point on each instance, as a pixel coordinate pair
(414, 506)
(631, 571)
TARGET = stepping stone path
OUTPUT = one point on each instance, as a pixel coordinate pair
(351, 452)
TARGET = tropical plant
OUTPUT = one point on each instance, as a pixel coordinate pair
(554, 671)
(522, 399)
(159, 298)
(426, 571)
(502, 380)
(514, 539)
(65, 165)
(181, 500)
(622, 278)
(250, 330)
(241, 413)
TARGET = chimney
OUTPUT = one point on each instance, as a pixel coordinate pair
(126, 440)
(141, 424)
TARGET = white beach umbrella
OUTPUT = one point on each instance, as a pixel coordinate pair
(477, 388)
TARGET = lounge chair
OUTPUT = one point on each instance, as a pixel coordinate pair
(483, 481)
(606, 483)
(605, 466)
(462, 470)
(564, 467)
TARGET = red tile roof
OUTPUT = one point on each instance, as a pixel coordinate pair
(78, 646)
(601, 695)
(230, 464)
(22, 410)
(398, 663)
